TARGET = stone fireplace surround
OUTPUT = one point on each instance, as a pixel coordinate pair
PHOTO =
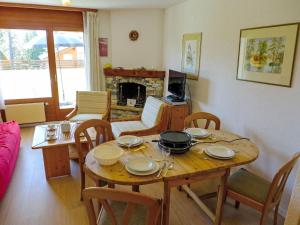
(152, 80)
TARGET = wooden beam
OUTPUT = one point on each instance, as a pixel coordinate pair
(47, 7)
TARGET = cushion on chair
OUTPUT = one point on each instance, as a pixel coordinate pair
(249, 185)
(91, 102)
(138, 216)
(152, 111)
(84, 117)
(119, 127)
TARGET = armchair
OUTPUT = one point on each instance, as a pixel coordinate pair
(154, 119)
(91, 105)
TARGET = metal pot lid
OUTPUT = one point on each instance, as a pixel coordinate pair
(175, 137)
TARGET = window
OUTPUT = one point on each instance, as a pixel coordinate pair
(69, 55)
(41, 57)
(24, 67)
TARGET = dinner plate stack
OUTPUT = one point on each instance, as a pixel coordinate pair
(219, 152)
(197, 132)
(129, 141)
(142, 166)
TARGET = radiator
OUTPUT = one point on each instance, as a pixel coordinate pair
(26, 113)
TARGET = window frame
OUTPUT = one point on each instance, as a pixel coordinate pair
(49, 21)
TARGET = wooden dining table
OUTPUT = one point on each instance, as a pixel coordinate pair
(190, 167)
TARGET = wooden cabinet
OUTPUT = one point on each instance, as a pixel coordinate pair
(178, 113)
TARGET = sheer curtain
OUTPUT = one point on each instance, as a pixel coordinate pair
(95, 77)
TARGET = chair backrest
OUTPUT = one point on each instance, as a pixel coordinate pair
(192, 120)
(93, 102)
(152, 112)
(106, 196)
(279, 182)
(95, 132)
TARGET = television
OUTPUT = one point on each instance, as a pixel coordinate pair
(176, 85)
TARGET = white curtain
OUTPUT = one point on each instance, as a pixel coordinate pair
(95, 77)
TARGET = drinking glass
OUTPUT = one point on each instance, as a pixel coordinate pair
(166, 153)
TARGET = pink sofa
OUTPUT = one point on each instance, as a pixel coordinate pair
(9, 148)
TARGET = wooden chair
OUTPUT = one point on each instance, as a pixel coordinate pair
(122, 207)
(91, 105)
(256, 192)
(102, 132)
(154, 120)
(193, 120)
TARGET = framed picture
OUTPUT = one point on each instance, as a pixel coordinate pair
(103, 47)
(266, 54)
(190, 62)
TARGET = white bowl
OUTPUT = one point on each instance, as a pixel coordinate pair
(106, 155)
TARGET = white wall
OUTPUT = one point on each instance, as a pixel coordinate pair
(147, 51)
(268, 115)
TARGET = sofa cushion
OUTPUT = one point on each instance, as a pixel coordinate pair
(84, 117)
(152, 111)
(9, 149)
(250, 185)
(91, 102)
(119, 127)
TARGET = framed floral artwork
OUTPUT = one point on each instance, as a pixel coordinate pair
(191, 47)
(266, 54)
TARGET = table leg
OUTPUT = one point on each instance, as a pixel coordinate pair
(221, 197)
(166, 203)
(56, 161)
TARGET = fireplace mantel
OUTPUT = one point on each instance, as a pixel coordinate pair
(134, 73)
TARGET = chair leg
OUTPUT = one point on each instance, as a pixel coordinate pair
(237, 204)
(276, 214)
(264, 218)
(82, 184)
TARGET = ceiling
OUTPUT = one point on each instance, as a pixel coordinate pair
(105, 4)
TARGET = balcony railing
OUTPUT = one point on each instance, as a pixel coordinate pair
(38, 64)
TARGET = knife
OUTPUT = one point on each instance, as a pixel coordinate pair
(161, 169)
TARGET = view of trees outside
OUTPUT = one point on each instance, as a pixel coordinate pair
(24, 67)
(23, 74)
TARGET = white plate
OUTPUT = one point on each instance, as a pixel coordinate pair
(197, 132)
(141, 164)
(129, 140)
(219, 151)
(156, 168)
(216, 157)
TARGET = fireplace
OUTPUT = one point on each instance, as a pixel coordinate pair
(130, 89)
(131, 93)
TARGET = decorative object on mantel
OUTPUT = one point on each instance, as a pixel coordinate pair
(107, 66)
(103, 47)
(267, 54)
(133, 35)
(190, 62)
(134, 73)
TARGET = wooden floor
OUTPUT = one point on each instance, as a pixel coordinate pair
(32, 200)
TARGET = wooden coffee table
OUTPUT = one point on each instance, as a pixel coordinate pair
(55, 152)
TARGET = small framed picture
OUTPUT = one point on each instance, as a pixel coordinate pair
(103, 47)
(191, 46)
(266, 54)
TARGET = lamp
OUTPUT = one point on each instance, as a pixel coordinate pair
(66, 2)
